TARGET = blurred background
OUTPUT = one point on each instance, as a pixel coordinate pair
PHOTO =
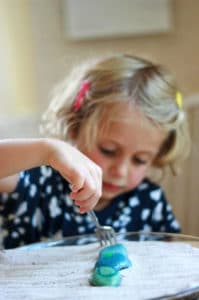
(41, 40)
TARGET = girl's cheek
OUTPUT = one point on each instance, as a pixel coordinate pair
(103, 165)
(136, 178)
(97, 158)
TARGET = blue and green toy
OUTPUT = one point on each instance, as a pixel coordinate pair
(111, 260)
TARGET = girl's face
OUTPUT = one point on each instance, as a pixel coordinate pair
(124, 152)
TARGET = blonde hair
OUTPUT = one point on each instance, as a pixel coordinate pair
(124, 78)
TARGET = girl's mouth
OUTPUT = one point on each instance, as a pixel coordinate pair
(111, 187)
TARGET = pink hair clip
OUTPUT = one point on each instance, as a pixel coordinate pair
(85, 86)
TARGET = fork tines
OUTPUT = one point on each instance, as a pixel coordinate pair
(106, 235)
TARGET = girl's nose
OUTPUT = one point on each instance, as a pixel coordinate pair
(120, 168)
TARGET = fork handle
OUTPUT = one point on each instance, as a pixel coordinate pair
(94, 218)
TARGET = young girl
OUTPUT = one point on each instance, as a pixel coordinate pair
(126, 115)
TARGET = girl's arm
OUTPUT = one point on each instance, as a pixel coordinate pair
(83, 174)
(21, 154)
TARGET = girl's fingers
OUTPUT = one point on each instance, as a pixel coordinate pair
(74, 188)
(87, 197)
(77, 183)
(87, 204)
(90, 189)
(97, 178)
(87, 182)
(85, 192)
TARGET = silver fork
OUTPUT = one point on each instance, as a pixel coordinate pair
(105, 234)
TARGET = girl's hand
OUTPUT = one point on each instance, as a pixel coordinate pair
(84, 176)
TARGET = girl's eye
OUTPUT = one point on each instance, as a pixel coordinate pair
(108, 152)
(139, 161)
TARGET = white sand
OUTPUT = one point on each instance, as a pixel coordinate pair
(159, 268)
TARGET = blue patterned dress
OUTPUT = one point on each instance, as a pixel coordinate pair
(41, 209)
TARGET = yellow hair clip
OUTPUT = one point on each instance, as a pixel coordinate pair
(179, 99)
